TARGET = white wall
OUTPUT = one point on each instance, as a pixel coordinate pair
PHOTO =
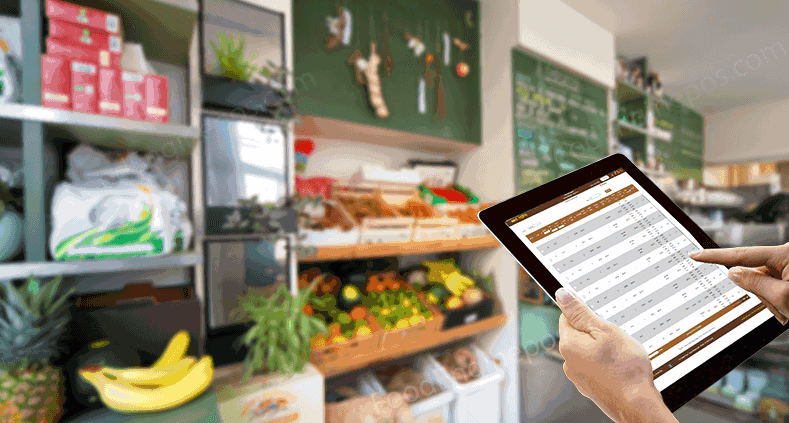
(556, 31)
(753, 133)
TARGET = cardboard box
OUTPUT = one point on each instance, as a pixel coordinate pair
(157, 107)
(55, 82)
(133, 85)
(110, 92)
(84, 87)
(240, 402)
(85, 16)
(81, 53)
(86, 37)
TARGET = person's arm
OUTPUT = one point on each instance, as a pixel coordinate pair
(608, 366)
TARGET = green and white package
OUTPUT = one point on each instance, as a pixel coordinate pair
(126, 215)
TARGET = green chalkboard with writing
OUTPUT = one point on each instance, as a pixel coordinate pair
(560, 119)
(327, 86)
(683, 154)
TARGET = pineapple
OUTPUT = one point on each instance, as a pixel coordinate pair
(32, 318)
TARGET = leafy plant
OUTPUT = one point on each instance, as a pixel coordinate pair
(267, 219)
(32, 318)
(280, 338)
(230, 55)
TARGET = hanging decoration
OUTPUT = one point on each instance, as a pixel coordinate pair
(340, 28)
(366, 71)
(441, 102)
(415, 43)
(447, 47)
(388, 60)
(462, 68)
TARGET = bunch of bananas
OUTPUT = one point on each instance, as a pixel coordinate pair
(173, 380)
(457, 284)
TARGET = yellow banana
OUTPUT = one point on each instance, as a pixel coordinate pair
(162, 375)
(127, 398)
(175, 351)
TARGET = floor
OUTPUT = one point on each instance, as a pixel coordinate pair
(562, 403)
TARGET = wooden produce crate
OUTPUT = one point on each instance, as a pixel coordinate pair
(396, 338)
(337, 227)
(326, 355)
(429, 223)
(378, 223)
(469, 225)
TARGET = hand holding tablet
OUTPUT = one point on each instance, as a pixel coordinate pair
(609, 236)
(608, 366)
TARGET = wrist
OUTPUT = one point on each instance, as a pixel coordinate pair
(644, 404)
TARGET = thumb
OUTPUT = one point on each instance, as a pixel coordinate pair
(577, 313)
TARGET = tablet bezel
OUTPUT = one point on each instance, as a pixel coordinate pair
(680, 392)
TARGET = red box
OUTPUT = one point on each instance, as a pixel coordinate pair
(80, 53)
(133, 95)
(84, 16)
(86, 37)
(84, 87)
(110, 92)
(55, 82)
(157, 108)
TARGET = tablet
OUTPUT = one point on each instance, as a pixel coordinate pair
(609, 235)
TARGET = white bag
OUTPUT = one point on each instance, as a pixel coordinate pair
(115, 209)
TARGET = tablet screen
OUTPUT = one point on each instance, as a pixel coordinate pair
(619, 250)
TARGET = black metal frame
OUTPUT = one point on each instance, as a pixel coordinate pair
(220, 93)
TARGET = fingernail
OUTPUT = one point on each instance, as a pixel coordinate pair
(694, 253)
(564, 296)
(735, 274)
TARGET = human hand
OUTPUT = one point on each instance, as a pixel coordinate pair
(607, 365)
(764, 271)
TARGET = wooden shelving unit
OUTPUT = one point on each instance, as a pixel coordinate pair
(427, 342)
(399, 249)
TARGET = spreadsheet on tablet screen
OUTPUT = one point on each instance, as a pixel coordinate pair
(619, 250)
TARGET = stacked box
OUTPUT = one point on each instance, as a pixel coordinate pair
(55, 82)
(84, 82)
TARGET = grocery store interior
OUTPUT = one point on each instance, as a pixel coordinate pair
(266, 210)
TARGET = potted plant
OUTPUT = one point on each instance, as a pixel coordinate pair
(11, 225)
(244, 85)
(32, 319)
(279, 339)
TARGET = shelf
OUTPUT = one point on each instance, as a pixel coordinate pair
(628, 130)
(163, 27)
(46, 269)
(330, 129)
(438, 339)
(108, 131)
(399, 249)
(626, 91)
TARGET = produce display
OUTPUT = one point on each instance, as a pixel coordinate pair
(467, 214)
(408, 382)
(461, 364)
(393, 304)
(170, 382)
(362, 208)
(415, 209)
(445, 285)
(329, 218)
(345, 322)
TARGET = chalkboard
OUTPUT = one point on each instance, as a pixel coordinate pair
(683, 155)
(326, 84)
(560, 119)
